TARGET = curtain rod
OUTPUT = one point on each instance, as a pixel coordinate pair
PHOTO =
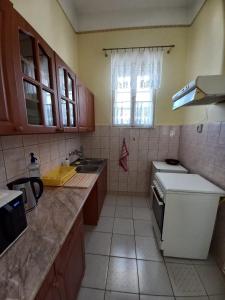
(145, 47)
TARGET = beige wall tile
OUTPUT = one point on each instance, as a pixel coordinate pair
(114, 131)
(30, 140)
(43, 138)
(11, 142)
(104, 142)
(62, 148)
(44, 152)
(15, 162)
(2, 168)
(144, 133)
(54, 151)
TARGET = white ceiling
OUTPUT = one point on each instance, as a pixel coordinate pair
(89, 15)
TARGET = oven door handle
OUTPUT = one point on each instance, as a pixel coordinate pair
(156, 196)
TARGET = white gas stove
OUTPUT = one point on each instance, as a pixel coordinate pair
(184, 214)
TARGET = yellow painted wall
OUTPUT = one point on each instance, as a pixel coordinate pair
(94, 68)
(48, 19)
(205, 56)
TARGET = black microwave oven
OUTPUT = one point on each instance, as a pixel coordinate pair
(13, 221)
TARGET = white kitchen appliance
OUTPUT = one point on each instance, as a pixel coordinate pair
(201, 91)
(184, 213)
(162, 166)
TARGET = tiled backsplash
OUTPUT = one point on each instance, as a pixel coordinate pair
(204, 153)
(144, 145)
(50, 149)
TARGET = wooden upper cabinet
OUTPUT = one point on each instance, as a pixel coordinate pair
(35, 79)
(91, 111)
(9, 110)
(86, 108)
(66, 83)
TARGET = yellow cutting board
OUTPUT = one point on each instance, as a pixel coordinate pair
(81, 180)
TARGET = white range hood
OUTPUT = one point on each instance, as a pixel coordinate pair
(201, 91)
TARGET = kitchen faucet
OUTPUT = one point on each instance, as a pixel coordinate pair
(80, 152)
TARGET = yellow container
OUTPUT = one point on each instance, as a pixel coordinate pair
(58, 176)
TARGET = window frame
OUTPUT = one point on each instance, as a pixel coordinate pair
(133, 102)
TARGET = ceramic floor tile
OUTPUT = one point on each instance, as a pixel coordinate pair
(105, 224)
(86, 294)
(97, 242)
(193, 298)
(145, 297)
(122, 275)
(209, 261)
(111, 197)
(108, 211)
(217, 297)
(124, 212)
(178, 260)
(141, 213)
(212, 279)
(120, 296)
(143, 228)
(122, 201)
(146, 248)
(185, 280)
(95, 264)
(110, 202)
(139, 202)
(123, 246)
(123, 226)
(153, 278)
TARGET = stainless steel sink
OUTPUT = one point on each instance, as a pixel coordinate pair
(87, 161)
(87, 169)
(94, 161)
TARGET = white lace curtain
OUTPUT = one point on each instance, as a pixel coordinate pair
(136, 75)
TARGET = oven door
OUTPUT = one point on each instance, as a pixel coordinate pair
(158, 207)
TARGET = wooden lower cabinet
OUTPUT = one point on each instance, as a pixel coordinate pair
(52, 288)
(102, 188)
(93, 205)
(64, 278)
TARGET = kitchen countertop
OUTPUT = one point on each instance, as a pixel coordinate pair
(24, 266)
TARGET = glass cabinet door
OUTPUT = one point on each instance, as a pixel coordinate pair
(27, 44)
(66, 90)
(62, 82)
(32, 104)
(37, 71)
(44, 67)
(48, 108)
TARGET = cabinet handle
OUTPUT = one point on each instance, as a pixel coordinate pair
(19, 128)
(55, 283)
(59, 129)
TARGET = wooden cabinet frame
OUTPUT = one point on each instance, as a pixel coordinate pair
(9, 112)
(59, 63)
(27, 114)
(20, 25)
(86, 109)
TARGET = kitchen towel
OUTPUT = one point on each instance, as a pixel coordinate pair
(123, 156)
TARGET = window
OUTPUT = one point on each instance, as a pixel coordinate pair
(136, 76)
